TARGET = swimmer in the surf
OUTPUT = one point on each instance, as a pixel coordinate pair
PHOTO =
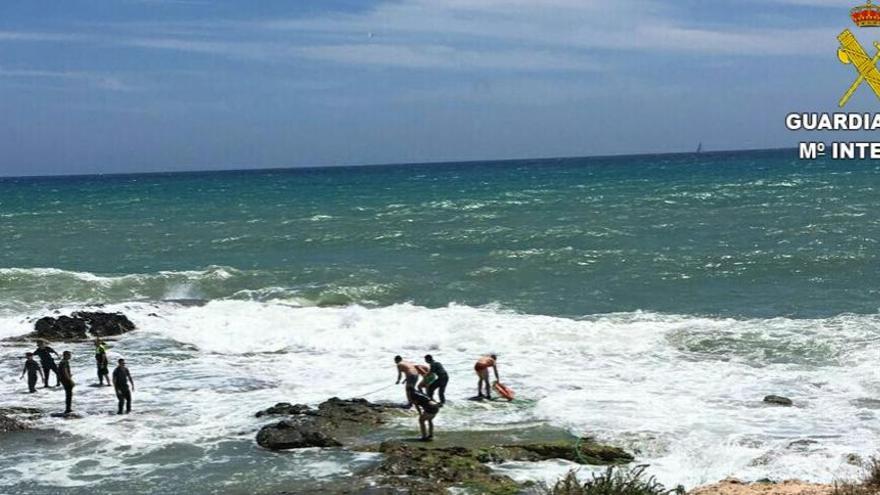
(410, 372)
(482, 369)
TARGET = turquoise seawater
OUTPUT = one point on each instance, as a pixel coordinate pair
(649, 301)
(741, 234)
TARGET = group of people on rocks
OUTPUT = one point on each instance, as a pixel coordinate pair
(120, 379)
(423, 380)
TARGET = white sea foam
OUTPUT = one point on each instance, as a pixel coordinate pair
(683, 392)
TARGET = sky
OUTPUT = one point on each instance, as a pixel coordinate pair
(106, 86)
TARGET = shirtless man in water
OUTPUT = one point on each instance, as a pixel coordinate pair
(411, 372)
(482, 368)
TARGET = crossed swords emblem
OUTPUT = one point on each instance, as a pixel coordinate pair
(851, 52)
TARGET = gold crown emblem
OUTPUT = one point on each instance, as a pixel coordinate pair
(867, 15)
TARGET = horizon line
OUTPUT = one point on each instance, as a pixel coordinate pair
(391, 164)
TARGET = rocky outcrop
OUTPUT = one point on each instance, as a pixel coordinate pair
(435, 470)
(582, 451)
(81, 325)
(8, 424)
(11, 418)
(778, 400)
(296, 433)
(455, 460)
(355, 412)
(334, 421)
(286, 409)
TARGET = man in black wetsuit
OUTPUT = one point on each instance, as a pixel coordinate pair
(121, 379)
(32, 369)
(439, 383)
(44, 352)
(67, 382)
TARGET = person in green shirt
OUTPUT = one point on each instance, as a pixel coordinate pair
(102, 362)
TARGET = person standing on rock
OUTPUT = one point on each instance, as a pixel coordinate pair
(427, 409)
(482, 368)
(32, 369)
(411, 372)
(44, 352)
(440, 381)
(102, 362)
(121, 379)
(66, 377)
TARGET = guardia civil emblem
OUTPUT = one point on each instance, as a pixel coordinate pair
(851, 52)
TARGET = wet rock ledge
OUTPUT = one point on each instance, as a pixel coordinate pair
(460, 460)
(79, 326)
(14, 419)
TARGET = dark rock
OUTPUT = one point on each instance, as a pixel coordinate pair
(27, 412)
(8, 424)
(81, 325)
(355, 411)
(15, 418)
(334, 419)
(286, 409)
(434, 470)
(583, 451)
(64, 415)
(295, 434)
(778, 400)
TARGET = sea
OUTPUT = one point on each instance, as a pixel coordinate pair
(650, 301)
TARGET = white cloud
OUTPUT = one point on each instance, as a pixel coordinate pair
(447, 57)
(513, 35)
(96, 80)
(38, 36)
(568, 26)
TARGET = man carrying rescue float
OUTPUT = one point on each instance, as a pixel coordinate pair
(482, 369)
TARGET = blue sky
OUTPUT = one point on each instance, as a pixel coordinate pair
(143, 85)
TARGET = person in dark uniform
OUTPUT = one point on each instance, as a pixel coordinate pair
(67, 382)
(102, 362)
(121, 379)
(441, 380)
(44, 352)
(427, 409)
(32, 369)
